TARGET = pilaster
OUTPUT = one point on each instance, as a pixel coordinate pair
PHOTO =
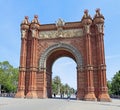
(21, 83)
(103, 91)
(80, 83)
(89, 91)
(34, 28)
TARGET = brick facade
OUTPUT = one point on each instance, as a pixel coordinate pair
(82, 41)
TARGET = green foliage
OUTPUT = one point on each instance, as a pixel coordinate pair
(109, 87)
(115, 84)
(58, 87)
(8, 77)
(56, 84)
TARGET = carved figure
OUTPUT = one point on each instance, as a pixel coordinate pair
(87, 29)
(23, 33)
(60, 22)
(100, 28)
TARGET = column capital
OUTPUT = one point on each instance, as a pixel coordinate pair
(89, 67)
(100, 27)
(102, 67)
(33, 69)
(22, 68)
(80, 68)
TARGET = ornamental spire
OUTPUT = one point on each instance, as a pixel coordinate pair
(86, 15)
(98, 14)
(35, 20)
(25, 21)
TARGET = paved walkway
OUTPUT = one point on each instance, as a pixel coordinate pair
(56, 104)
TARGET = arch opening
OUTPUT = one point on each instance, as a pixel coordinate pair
(71, 51)
(64, 78)
(51, 55)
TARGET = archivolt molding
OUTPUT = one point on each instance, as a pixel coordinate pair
(49, 50)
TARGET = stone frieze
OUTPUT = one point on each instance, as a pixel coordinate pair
(61, 33)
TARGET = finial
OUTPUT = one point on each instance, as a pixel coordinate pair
(98, 14)
(86, 11)
(60, 22)
(98, 10)
(35, 20)
(98, 18)
(36, 16)
(86, 15)
(25, 21)
(26, 17)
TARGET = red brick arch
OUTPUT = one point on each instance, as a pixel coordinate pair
(54, 52)
(59, 50)
(41, 45)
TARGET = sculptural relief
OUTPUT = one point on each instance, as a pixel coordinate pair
(61, 33)
(100, 28)
(87, 29)
(23, 33)
(33, 33)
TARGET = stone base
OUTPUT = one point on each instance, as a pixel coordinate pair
(80, 97)
(31, 95)
(104, 97)
(20, 94)
(90, 97)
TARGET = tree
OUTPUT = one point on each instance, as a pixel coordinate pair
(109, 87)
(8, 77)
(56, 84)
(60, 88)
(115, 84)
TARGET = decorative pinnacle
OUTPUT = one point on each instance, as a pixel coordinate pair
(98, 14)
(26, 17)
(86, 15)
(86, 19)
(25, 21)
(98, 18)
(36, 16)
(86, 11)
(98, 10)
(35, 20)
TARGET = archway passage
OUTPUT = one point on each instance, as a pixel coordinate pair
(50, 55)
(51, 59)
(64, 78)
(41, 45)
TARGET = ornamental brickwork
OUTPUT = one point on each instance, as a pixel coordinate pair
(41, 45)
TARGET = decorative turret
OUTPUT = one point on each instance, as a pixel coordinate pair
(89, 91)
(34, 26)
(25, 21)
(86, 21)
(34, 29)
(24, 27)
(22, 69)
(99, 21)
(98, 18)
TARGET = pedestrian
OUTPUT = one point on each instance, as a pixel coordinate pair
(68, 96)
(54, 95)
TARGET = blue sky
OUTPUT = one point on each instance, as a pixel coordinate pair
(12, 12)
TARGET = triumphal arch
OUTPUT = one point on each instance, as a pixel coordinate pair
(41, 45)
